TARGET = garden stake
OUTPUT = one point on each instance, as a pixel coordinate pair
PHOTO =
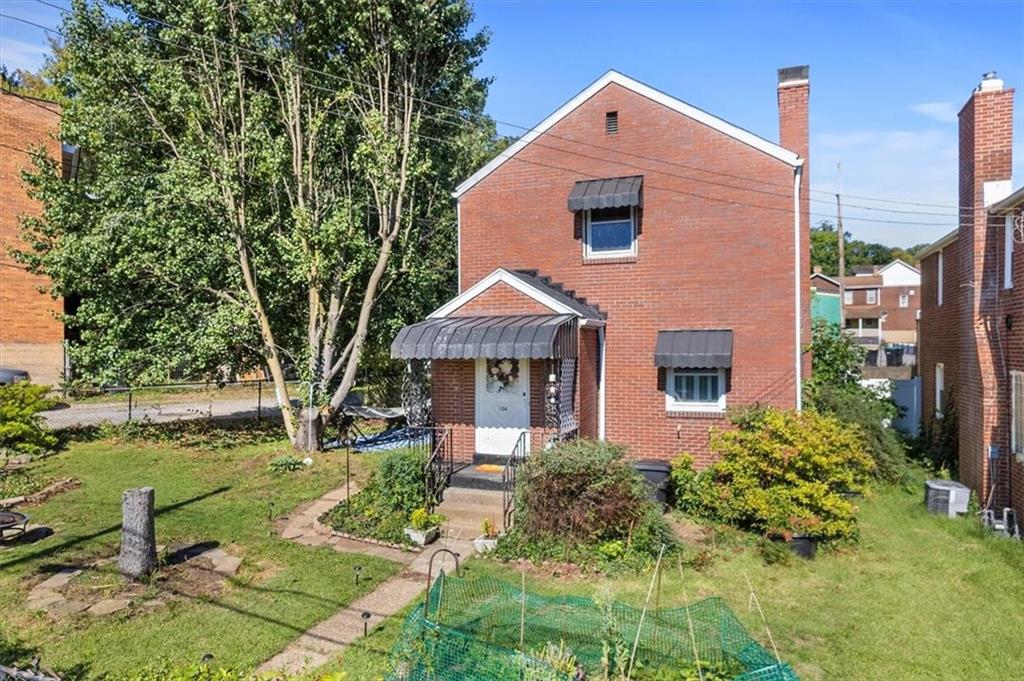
(755, 601)
(366, 619)
(643, 613)
(358, 570)
(689, 621)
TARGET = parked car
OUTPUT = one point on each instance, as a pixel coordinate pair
(9, 376)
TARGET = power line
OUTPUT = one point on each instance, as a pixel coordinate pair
(461, 116)
(567, 151)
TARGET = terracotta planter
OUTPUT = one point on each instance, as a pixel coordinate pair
(423, 537)
(484, 544)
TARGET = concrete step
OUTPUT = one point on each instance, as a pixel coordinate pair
(483, 497)
(495, 459)
(474, 479)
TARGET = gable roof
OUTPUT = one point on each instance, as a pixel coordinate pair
(677, 105)
(530, 283)
(898, 263)
(822, 275)
(937, 246)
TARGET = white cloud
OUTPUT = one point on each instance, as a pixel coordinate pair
(899, 165)
(18, 54)
(940, 111)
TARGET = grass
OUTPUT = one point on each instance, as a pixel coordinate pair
(224, 495)
(921, 597)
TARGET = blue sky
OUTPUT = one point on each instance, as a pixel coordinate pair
(886, 79)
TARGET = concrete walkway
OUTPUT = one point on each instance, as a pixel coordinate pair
(328, 638)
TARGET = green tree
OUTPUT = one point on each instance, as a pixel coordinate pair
(825, 251)
(41, 84)
(266, 184)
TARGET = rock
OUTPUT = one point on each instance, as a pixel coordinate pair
(215, 555)
(12, 501)
(138, 535)
(293, 532)
(227, 566)
(64, 607)
(58, 580)
(153, 603)
(42, 601)
(109, 606)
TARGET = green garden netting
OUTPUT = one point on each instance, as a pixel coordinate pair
(473, 627)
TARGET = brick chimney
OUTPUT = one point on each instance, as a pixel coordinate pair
(794, 95)
(986, 149)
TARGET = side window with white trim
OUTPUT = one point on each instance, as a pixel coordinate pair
(872, 296)
(695, 389)
(610, 232)
(940, 388)
(848, 297)
(1017, 406)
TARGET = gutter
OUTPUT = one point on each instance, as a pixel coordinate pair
(798, 283)
(600, 384)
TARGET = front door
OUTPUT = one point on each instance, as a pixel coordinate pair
(502, 404)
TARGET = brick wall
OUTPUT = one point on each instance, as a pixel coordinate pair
(704, 259)
(31, 336)
(940, 330)
(501, 299)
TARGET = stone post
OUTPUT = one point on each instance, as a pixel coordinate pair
(138, 535)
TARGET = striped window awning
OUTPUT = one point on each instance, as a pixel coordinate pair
(521, 336)
(694, 349)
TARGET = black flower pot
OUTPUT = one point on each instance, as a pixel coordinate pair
(803, 546)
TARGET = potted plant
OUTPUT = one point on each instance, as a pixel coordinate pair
(424, 527)
(487, 541)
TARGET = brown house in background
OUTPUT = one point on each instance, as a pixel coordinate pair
(31, 333)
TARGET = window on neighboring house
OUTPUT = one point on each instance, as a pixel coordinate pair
(939, 278)
(940, 388)
(1008, 254)
(848, 297)
(611, 232)
(695, 390)
(1017, 405)
(872, 296)
(904, 300)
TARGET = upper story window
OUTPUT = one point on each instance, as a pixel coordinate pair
(848, 297)
(904, 300)
(938, 295)
(611, 232)
(695, 390)
(872, 296)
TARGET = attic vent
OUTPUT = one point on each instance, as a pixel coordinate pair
(611, 122)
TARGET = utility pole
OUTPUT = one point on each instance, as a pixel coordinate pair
(842, 246)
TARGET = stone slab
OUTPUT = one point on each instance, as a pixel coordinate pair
(293, 661)
(109, 606)
(43, 600)
(60, 579)
(227, 566)
(293, 532)
(66, 607)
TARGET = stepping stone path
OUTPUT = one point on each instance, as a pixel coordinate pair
(325, 640)
(109, 606)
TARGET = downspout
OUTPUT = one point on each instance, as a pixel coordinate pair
(458, 245)
(600, 383)
(797, 283)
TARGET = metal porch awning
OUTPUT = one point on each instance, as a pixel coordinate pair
(694, 349)
(615, 192)
(521, 336)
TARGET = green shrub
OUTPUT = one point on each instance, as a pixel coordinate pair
(20, 482)
(421, 520)
(871, 414)
(578, 502)
(401, 481)
(285, 464)
(783, 472)
(22, 429)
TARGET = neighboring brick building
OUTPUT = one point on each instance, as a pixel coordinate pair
(972, 347)
(881, 304)
(685, 243)
(31, 334)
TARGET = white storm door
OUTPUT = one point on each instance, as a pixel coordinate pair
(502, 404)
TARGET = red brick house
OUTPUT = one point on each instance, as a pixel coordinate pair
(881, 304)
(628, 269)
(31, 333)
(972, 308)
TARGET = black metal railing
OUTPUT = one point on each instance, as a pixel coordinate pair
(440, 463)
(508, 479)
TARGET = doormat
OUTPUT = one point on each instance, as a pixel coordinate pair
(489, 468)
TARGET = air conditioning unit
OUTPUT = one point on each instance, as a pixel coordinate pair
(946, 497)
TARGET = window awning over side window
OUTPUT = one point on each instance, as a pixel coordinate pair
(694, 349)
(615, 192)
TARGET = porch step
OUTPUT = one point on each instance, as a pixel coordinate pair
(470, 477)
(466, 509)
(493, 459)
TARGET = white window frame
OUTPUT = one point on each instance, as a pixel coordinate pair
(904, 300)
(1008, 254)
(848, 297)
(871, 296)
(672, 404)
(940, 387)
(940, 278)
(1017, 413)
(619, 253)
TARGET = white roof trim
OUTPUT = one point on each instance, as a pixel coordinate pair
(502, 275)
(825, 277)
(899, 262)
(939, 245)
(1009, 203)
(679, 106)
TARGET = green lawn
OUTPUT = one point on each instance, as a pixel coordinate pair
(223, 495)
(922, 597)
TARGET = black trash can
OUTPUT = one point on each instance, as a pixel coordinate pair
(656, 473)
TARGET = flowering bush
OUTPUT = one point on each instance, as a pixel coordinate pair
(780, 472)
